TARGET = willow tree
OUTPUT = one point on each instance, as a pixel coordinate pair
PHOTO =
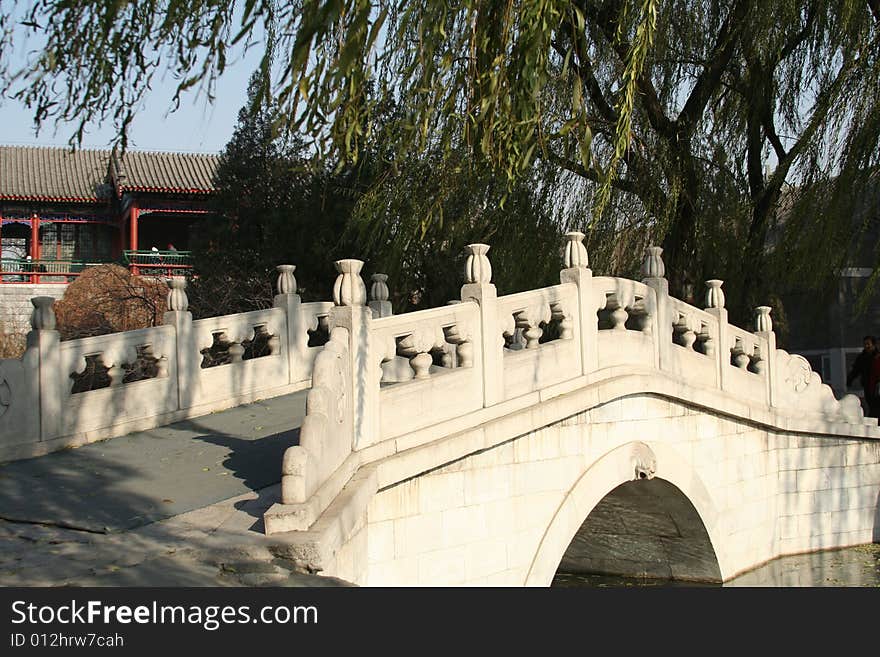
(685, 121)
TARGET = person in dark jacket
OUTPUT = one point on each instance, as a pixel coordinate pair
(862, 370)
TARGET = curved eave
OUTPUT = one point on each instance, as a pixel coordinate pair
(52, 199)
(165, 190)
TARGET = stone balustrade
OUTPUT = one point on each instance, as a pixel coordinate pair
(404, 378)
(427, 376)
(431, 364)
(61, 394)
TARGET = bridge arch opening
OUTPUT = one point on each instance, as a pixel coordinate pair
(643, 529)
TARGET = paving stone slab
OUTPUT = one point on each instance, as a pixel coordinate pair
(146, 476)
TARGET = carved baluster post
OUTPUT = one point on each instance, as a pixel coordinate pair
(586, 322)
(417, 347)
(618, 303)
(116, 372)
(379, 303)
(236, 352)
(764, 329)
(294, 339)
(715, 307)
(464, 348)
(351, 312)
(684, 330)
(653, 275)
(478, 287)
(529, 320)
(740, 357)
(186, 351)
(560, 313)
(43, 355)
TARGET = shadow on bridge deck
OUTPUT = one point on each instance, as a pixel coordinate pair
(147, 476)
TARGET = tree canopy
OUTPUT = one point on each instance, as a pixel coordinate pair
(714, 127)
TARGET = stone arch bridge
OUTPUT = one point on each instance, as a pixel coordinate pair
(598, 425)
(458, 445)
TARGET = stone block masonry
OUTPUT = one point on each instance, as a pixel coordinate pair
(15, 303)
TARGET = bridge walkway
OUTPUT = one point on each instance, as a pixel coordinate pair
(146, 476)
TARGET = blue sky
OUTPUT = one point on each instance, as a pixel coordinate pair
(196, 126)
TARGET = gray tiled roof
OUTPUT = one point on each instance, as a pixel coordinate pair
(34, 173)
(165, 172)
(46, 174)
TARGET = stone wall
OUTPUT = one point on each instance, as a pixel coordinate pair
(508, 515)
(15, 303)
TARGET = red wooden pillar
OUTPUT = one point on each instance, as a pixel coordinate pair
(133, 233)
(35, 246)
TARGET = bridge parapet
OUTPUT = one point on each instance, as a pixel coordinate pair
(61, 394)
(448, 370)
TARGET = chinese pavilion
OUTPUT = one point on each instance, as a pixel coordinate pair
(63, 210)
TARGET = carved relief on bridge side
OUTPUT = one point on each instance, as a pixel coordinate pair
(19, 402)
(644, 461)
(799, 388)
(326, 435)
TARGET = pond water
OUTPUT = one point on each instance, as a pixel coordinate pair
(853, 566)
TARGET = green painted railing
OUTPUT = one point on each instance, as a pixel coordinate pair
(17, 270)
(162, 258)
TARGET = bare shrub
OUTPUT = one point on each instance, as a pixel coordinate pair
(108, 299)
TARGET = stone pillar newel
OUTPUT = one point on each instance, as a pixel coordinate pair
(479, 288)
(585, 323)
(43, 352)
(379, 294)
(286, 283)
(714, 294)
(349, 288)
(477, 268)
(653, 275)
(43, 316)
(764, 329)
(575, 251)
(187, 354)
(351, 312)
(763, 323)
(177, 299)
(652, 265)
(715, 306)
(294, 340)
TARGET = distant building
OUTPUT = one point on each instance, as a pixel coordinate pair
(825, 326)
(61, 211)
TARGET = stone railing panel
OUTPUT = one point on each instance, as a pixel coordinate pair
(431, 364)
(316, 319)
(744, 359)
(112, 357)
(542, 338)
(695, 338)
(237, 374)
(627, 315)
